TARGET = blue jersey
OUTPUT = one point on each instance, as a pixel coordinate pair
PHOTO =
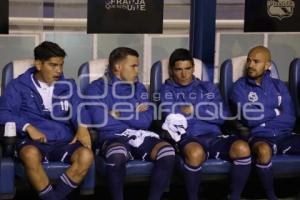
(271, 107)
(209, 109)
(22, 104)
(110, 93)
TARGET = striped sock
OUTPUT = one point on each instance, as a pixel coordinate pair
(192, 178)
(238, 176)
(115, 166)
(162, 172)
(64, 186)
(265, 174)
(47, 193)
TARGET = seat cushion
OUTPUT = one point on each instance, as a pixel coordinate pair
(90, 71)
(286, 165)
(7, 175)
(211, 166)
(53, 169)
(135, 169)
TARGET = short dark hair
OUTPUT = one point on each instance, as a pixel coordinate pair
(119, 54)
(180, 55)
(46, 50)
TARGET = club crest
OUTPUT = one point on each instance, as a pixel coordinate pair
(280, 8)
(252, 97)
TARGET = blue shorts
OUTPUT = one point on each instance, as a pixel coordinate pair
(285, 144)
(55, 151)
(140, 153)
(215, 146)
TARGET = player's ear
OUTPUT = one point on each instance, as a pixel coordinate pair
(268, 65)
(38, 65)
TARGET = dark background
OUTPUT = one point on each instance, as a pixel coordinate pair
(101, 20)
(3, 16)
(258, 20)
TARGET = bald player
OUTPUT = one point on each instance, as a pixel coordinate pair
(272, 117)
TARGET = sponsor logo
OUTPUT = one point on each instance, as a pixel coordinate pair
(280, 8)
(130, 5)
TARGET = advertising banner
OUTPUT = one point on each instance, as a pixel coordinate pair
(125, 16)
(272, 16)
(3, 16)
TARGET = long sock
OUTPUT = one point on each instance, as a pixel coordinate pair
(64, 186)
(238, 176)
(116, 158)
(162, 172)
(192, 179)
(47, 193)
(266, 177)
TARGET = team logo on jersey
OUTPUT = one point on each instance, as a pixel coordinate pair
(280, 8)
(252, 97)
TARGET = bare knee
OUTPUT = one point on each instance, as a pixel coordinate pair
(83, 156)
(30, 155)
(239, 149)
(194, 154)
(263, 152)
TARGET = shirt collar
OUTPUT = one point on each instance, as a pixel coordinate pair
(40, 84)
(266, 76)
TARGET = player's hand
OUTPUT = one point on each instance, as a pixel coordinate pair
(35, 134)
(82, 136)
(188, 109)
(142, 107)
(115, 114)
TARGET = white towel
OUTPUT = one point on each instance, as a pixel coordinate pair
(136, 137)
(176, 125)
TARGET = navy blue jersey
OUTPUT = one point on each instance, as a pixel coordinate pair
(271, 107)
(111, 93)
(209, 109)
(21, 103)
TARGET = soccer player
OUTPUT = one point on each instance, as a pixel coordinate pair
(272, 115)
(43, 104)
(200, 103)
(119, 107)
